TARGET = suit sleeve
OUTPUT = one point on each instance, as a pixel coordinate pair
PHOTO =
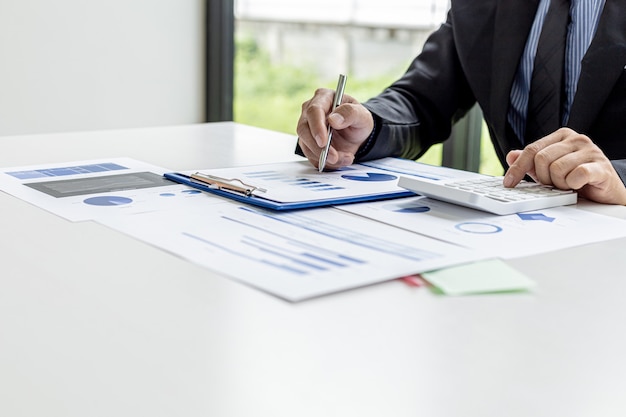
(620, 167)
(419, 109)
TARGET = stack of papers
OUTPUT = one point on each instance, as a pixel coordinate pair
(299, 254)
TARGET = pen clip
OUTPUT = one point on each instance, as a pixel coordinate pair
(226, 184)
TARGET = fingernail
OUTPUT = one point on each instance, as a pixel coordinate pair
(508, 180)
(336, 118)
(318, 140)
(347, 160)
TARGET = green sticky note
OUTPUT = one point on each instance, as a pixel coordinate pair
(492, 275)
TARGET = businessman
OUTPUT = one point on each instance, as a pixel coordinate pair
(549, 76)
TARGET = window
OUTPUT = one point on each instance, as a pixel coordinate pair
(284, 50)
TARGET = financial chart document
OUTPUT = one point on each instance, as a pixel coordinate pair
(510, 236)
(293, 255)
(300, 182)
(91, 189)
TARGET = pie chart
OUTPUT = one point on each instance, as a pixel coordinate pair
(414, 209)
(369, 176)
(108, 200)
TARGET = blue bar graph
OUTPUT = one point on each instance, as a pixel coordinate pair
(64, 171)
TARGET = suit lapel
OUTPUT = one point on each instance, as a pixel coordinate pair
(601, 67)
(514, 18)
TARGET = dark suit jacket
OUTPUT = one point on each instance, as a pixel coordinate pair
(473, 57)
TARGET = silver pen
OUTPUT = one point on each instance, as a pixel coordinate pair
(341, 85)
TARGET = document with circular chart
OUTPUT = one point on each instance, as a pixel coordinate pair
(298, 184)
(93, 189)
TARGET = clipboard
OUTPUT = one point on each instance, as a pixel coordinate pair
(245, 191)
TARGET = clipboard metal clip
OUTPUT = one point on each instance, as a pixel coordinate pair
(226, 184)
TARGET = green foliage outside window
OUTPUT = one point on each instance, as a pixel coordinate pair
(270, 96)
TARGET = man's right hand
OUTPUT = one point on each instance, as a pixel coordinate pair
(352, 124)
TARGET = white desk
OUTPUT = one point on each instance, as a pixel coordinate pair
(94, 323)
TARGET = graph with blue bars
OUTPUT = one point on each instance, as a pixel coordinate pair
(65, 171)
(299, 256)
(314, 184)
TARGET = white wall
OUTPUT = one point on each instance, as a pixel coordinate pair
(68, 65)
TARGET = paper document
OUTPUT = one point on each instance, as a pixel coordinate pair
(294, 255)
(296, 185)
(509, 236)
(418, 169)
(87, 190)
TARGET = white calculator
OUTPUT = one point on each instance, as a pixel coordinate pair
(484, 192)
